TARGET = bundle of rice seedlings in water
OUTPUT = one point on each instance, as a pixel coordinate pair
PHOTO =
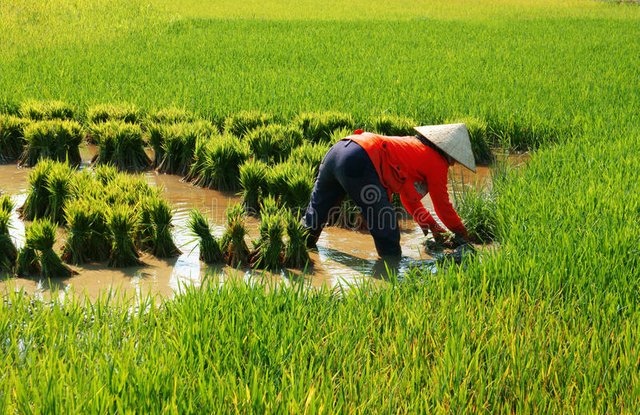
(155, 134)
(393, 125)
(55, 140)
(87, 233)
(253, 180)
(269, 247)
(171, 115)
(11, 137)
(479, 135)
(121, 145)
(269, 206)
(28, 262)
(274, 142)
(348, 216)
(310, 154)
(291, 184)
(318, 127)
(37, 199)
(243, 122)
(478, 211)
(218, 164)
(210, 251)
(234, 247)
(156, 222)
(296, 254)
(128, 113)
(105, 173)
(122, 223)
(179, 143)
(46, 110)
(8, 251)
(40, 237)
(59, 187)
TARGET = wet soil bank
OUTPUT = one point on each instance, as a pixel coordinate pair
(343, 256)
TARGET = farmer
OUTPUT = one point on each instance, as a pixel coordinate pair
(370, 168)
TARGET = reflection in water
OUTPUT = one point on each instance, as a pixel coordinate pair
(186, 270)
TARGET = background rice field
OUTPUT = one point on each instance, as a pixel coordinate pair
(546, 323)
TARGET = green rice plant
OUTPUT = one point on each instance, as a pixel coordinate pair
(178, 144)
(393, 125)
(296, 254)
(234, 246)
(477, 209)
(40, 237)
(210, 251)
(273, 143)
(59, 185)
(318, 127)
(269, 248)
(171, 115)
(8, 251)
(46, 110)
(87, 233)
(339, 134)
(253, 181)
(155, 137)
(105, 173)
(479, 135)
(310, 154)
(27, 262)
(56, 140)
(12, 140)
(122, 224)
(128, 113)
(269, 206)
(37, 201)
(121, 145)
(156, 226)
(217, 164)
(6, 204)
(243, 122)
(291, 184)
(347, 216)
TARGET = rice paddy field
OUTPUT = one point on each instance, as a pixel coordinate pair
(230, 97)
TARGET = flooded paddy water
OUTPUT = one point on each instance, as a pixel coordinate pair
(343, 256)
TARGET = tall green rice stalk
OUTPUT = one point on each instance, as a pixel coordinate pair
(243, 122)
(318, 127)
(269, 247)
(253, 181)
(296, 254)
(56, 140)
(217, 165)
(273, 143)
(122, 224)
(210, 251)
(46, 110)
(234, 246)
(171, 115)
(12, 140)
(121, 145)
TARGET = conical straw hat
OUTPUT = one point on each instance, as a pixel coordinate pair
(453, 139)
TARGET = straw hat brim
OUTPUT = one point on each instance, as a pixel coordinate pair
(452, 139)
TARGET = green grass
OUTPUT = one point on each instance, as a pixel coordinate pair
(545, 322)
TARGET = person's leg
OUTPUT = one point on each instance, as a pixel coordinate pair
(327, 193)
(356, 173)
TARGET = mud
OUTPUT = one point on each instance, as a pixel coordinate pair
(343, 256)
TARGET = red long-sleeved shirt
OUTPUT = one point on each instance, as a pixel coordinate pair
(401, 162)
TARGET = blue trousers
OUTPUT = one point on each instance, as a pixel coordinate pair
(347, 170)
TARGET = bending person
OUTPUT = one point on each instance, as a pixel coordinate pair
(370, 168)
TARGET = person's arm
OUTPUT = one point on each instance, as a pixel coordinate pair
(437, 180)
(412, 202)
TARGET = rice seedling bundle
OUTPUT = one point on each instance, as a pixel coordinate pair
(156, 227)
(8, 251)
(122, 145)
(393, 125)
(122, 224)
(310, 154)
(46, 110)
(87, 233)
(479, 136)
(128, 113)
(56, 140)
(210, 251)
(178, 144)
(269, 206)
(234, 246)
(318, 127)
(243, 122)
(269, 247)
(347, 216)
(105, 173)
(38, 251)
(291, 184)
(296, 254)
(59, 186)
(217, 165)
(11, 137)
(339, 134)
(253, 181)
(273, 143)
(478, 211)
(37, 201)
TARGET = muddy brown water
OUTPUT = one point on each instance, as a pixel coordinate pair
(343, 256)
